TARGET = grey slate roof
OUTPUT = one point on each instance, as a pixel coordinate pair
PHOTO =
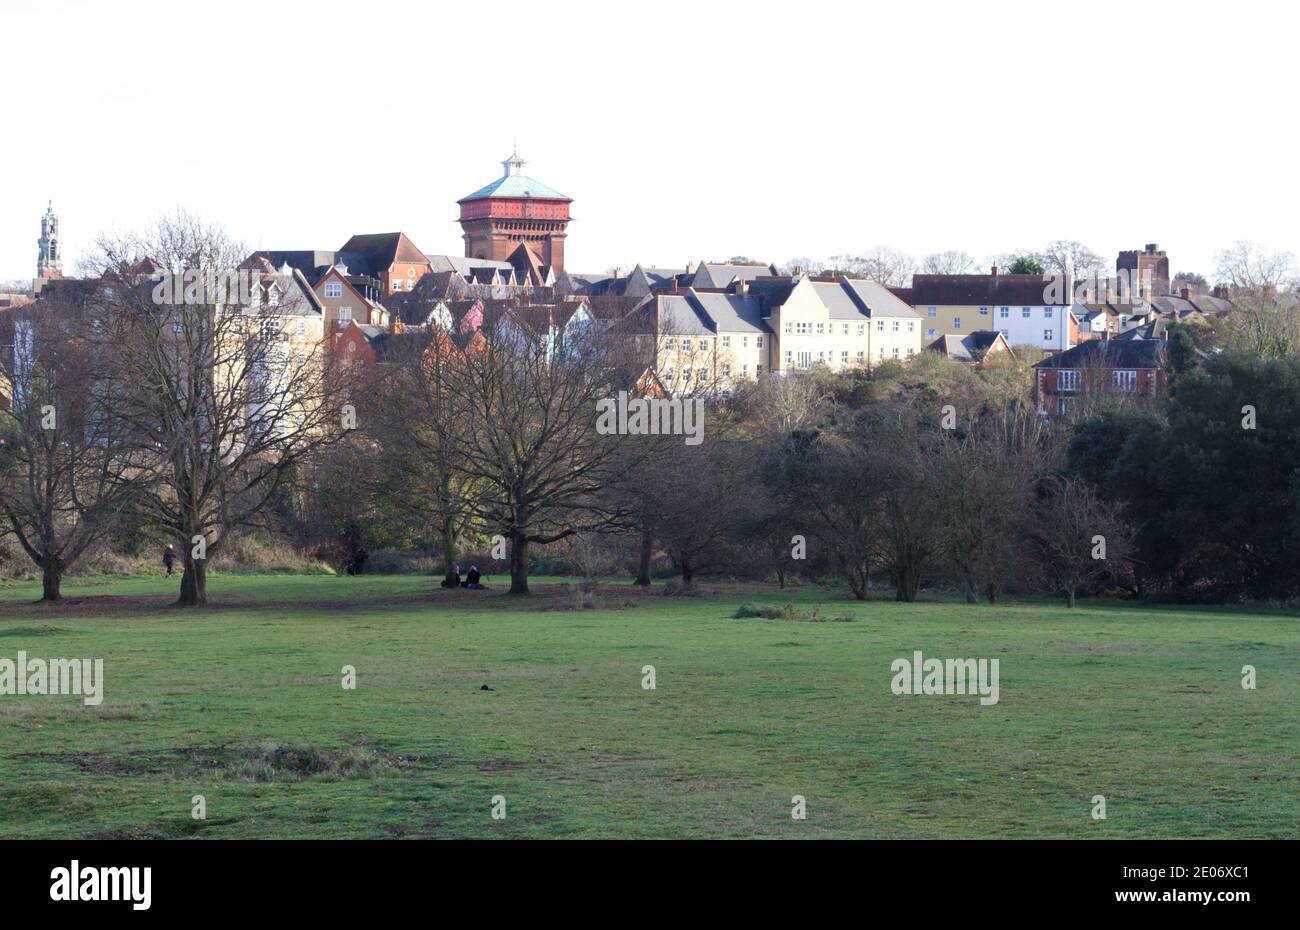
(878, 299)
(730, 313)
(718, 274)
(1110, 353)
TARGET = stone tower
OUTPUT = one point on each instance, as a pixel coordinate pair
(49, 260)
(1149, 269)
(515, 209)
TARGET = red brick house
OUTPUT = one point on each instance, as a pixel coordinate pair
(1132, 368)
(392, 258)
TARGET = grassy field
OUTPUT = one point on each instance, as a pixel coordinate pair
(243, 704)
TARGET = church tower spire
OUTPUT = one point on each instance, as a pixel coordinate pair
(49, 261)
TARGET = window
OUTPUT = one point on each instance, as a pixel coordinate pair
(1047, 335)
(176, 327)
(821, 329)
(726, 341)
(1126, 381)
(686, 345)
(803, 328)
(1047, 313)
(670, 343)
(668, 373)
(789, 356)
(1024, 312)
(744, 342)
(269, 328)
(862, 329)
(758, 369)
(302, 327)
(759, 341)
(880, 326)
(345, 315)
(333, 289)
(787, 327)
(1063, 405)
(895, 351)
(1067, 379)
(1006, 333)
(805, 359)
(744, 371)
(397, 284)
(956, 322)
(1004, 312)
(846, 329)
(702, 376)
(844, 357)
(911, 326)
(933, 312)
(910, 351)
(984, 311)
(861, 356)
(931, 333)
(726, 371)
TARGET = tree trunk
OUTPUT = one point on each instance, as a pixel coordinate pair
(643, 562)
(1069, 597)
(688, 574)
(907, 585)
(518, 563)
(194, 582)
(992, 592)
(971, 596)
(51, 576)
(780, 578)
(448, 552)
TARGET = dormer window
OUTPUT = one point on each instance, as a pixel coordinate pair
(333, 289)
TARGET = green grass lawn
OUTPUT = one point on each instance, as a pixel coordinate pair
(242, 703)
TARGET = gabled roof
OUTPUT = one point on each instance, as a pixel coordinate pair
(971, 347)
(1110, 353)
(720, 274)
(772, 292)
(380, 251)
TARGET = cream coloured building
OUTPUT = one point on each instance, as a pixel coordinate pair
(712, 339)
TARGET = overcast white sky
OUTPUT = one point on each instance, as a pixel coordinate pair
(683, 131)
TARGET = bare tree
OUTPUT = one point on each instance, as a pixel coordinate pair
(64, 482)
(949, 262)
(1250, 266)
(695, 500)
(1078, 537)
(891, 267)
(411, 410)
(1070, 259)
(220, 391)
(520, 424)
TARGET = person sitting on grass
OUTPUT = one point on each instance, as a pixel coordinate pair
(471, 578)
(454, 580)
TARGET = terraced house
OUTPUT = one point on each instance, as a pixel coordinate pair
(708, 339)
(1019, 306)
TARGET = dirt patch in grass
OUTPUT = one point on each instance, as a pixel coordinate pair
(29, 631)
(269, 762)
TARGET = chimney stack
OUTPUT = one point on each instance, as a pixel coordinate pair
(742, 287)
(1186, 293)
(995, 271)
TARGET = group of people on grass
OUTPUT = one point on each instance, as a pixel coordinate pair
(471, 579)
